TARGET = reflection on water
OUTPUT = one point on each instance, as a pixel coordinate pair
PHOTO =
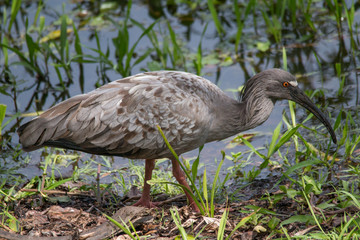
(322, 54)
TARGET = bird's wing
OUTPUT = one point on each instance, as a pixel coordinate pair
(121, 118)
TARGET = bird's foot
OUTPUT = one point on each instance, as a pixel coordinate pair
(146, 203)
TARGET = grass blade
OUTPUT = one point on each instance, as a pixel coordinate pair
(240, 25)
(177, 57)
(5, 42)
(152, 181)
(220, 235)
(275, 137)
(289, 133)
(63, 37)
(213, 189)
(175, 216)
(202, 206)
(284, 59)
(247, 143)
(242, 222)
(2, 115)
(15, 7)
(312, 212)
(123, 226)
(298, 166)
(195, 165)
(205, 191)
(215, 17)
(198, 62)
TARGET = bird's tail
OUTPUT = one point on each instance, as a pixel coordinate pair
(47, 127)
(28, 136)
(33, 134)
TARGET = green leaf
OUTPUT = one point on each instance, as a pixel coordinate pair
(289, 133)
(176, 218)
(22, 57)
(195, 165)
(123, 226)
(198, 62)
(354, 144)
(176, 56)
(284, 58)
(242, 222)
(263, 46)
(41, 24)
(77, 44)
(131, 52)
(15, 7)
(5, 50)
(239, 24)
(187, 236)
(316, 187)
(354, 198)
(31, 46)
(308, 219)
(213, 189)
(298, 166)
(292, 193)
(14, 225)
(2, 115)
(205, 191)
(275, 137)
(273, 223)
(222, 225)
(143, 56)
(63, 37)
(154, 66)
(247, 143)
(215, 17)
(260, 210)
(58, 183)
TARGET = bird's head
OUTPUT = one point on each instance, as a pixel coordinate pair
(278, 84)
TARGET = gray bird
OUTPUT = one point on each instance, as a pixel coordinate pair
(121, 118)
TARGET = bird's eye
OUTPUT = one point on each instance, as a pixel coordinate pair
(285, 84)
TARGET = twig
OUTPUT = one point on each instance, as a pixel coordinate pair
(98, 199)
(53, 192)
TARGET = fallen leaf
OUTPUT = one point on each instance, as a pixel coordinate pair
(212, 223)
(54, 35)
(259, 229)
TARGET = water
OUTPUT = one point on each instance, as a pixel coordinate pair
(188, 24)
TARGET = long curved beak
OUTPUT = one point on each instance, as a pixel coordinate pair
(299, 97)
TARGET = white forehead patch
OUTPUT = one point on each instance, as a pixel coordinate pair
(293, 83)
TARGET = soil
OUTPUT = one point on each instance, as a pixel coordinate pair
(78, 215)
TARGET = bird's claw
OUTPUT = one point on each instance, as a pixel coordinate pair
(146, 203)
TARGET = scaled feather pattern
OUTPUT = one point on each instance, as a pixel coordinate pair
(121, 118)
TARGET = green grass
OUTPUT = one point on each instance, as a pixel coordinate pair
(205, 205)
(125, 228)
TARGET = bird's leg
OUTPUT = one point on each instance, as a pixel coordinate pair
(180, 177)
(145, 196)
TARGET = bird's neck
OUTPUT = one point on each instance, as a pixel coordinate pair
(257, 110)
(233, 117)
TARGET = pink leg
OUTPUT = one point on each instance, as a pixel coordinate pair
(180, 177)
(145, 196)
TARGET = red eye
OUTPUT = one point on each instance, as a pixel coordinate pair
(285, 84)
